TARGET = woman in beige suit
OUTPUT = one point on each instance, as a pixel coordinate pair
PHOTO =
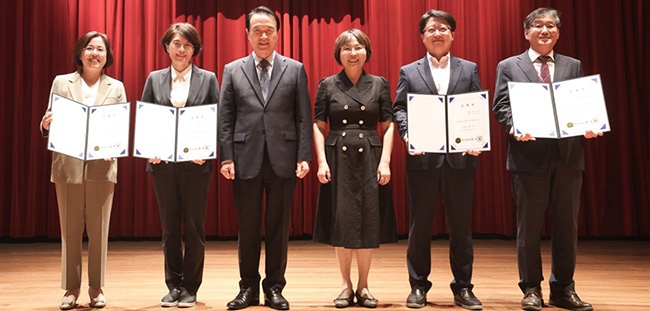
(84, 189)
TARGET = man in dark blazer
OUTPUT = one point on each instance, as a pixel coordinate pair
(428, 175)
(544, 172)
(265, 134)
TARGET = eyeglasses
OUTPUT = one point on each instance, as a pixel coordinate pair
(540, 27)
(442, 30)
(91, 49)
(178, 46)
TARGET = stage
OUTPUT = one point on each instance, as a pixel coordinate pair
(611, 275)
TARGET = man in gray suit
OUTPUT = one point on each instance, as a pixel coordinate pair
(429, 175)
(544, 172)
(265, 134)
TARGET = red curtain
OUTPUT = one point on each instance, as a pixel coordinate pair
(611, 38)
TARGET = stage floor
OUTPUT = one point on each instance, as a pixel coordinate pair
(612, 275)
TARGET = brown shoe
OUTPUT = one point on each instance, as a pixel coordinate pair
(532, 300)
(569, 300)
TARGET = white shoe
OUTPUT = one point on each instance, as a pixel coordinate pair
(99, 301)
(68, 302)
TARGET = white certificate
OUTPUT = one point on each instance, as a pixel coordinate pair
(426, 123)
(532, 109)
(88, 132)
(448, 124)
(197, 133)
(562, 109)
(108, 131)
(580, 106)
(468, 122)
(175, 134)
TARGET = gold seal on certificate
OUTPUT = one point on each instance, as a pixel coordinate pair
(96, 148)
(569, 125)
(186, 150)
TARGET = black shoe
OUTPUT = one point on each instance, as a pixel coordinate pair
(343, 301)
(366, 299)
(466, 299)
(171, 299)
(246, 297)
(187, 299)
(417, 298)
(532, 300)
(569, 300)
(273, 298)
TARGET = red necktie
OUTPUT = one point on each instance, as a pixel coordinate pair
(544, 73)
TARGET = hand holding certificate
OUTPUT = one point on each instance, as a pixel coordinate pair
(448, 124)
(89, 132)
(562, 109)
(175, 134)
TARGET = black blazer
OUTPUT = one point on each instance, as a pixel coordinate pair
(204, 90)
(247, 123)
(416, 78)
(531, 155)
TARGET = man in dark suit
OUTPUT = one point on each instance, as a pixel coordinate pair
(428, 175)
(544, 172)
(265, 134)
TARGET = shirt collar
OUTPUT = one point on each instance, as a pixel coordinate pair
(534, 55)
(185, 74)
(258, 59)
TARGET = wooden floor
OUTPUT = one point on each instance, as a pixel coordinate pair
(612, 275)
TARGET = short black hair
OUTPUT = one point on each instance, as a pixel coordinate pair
(83, 42)
(186, 30)
(262, 10)
(537, 13)
(437, 14)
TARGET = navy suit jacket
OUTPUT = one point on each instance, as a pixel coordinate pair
(282, 124)
(531, 155)
(416, 78)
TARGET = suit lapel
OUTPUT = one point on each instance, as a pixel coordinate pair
(454, 74)
(279, 66)
(250, 72)
(74, 87)
(103, 90)
(166, 86)
(425, 73)
(196, 82)
(561, 67)
(526, 66)
(355, 92)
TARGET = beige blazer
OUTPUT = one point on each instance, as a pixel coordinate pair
(68, 169)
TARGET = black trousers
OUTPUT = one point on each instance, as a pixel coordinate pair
(182, 200)
(557, 187)
(248, 195)
(456, 188)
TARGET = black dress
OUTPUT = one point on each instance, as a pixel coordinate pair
(354, 211)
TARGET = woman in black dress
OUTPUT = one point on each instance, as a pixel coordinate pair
(355, 212)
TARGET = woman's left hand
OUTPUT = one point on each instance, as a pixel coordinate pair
(383, 174)
(199, 162)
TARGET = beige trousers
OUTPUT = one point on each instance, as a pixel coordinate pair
(86, 205)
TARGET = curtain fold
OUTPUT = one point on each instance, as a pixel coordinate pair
(611, 38)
